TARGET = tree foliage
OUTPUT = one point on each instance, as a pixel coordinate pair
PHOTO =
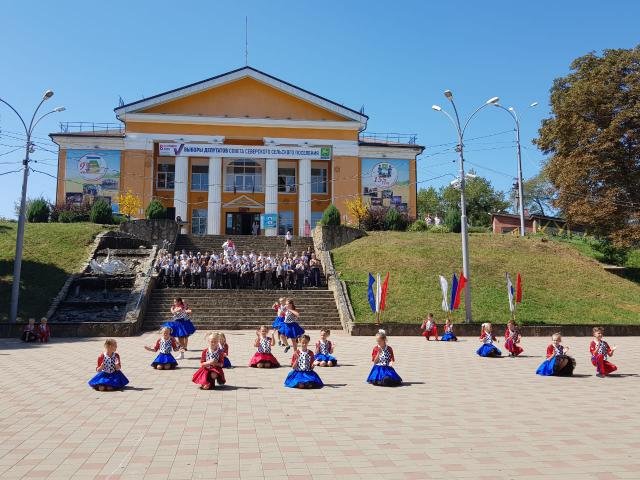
(429, 202)
(330, 216)
(356, 209)
(482, 200)
(38, 211)
(593, 139)
(155, 210)
(130, 203)
(101, 212)
(539, 195)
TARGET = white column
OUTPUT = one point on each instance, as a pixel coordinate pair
(215, 196)
(180, 189)
(304, 193)
(271, 192)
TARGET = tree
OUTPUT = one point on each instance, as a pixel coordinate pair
(38, 211)
(101, 212)
(429, 201)
(155, 210)
(357, 209)
(539, 195)
(593, 139)
(331, 216)
(130, 204)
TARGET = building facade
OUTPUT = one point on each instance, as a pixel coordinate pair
(239, 152)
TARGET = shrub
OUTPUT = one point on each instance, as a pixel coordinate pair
(331, 216)
(38, 211)
(394, 220)
(452, 221)
(101, 212)
(70, 213)
(439, 229)
(418, 226)
(477, 229)
(155, 210)
(375, 219)
(610, 253)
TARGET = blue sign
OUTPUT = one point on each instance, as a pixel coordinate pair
(268, 220)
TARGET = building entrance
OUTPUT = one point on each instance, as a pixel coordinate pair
(242, 223)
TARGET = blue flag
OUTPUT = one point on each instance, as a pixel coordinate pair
(454, 289)
(372, 297)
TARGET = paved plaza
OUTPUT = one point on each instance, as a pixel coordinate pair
(457, 416)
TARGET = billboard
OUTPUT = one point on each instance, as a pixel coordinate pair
(386, 183)
(92, 174)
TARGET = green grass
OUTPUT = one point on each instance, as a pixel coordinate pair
(52, 251)
(561, 285)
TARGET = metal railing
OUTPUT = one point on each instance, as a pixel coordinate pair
(91, 127)
(406, 138)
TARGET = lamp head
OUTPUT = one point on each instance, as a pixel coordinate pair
(534, 104)
(448, 94)
(437, 108)
(59, 109)
(493, 101)
(47, 95)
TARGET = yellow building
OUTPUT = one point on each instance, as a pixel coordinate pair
(237, 149)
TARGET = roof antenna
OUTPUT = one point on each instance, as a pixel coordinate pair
(246, 41)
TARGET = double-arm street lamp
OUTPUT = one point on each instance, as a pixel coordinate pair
(463, 208)
(29, 147)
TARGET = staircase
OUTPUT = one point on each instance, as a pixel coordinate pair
(213, 243)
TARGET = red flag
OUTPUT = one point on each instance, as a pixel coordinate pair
(461, 284)
(383, 292)
(519, 289)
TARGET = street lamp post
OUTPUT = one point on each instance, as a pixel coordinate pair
(17, 264)
(512, 111)
(466, 270)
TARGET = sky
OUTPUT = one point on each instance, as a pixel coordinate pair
(393, 58)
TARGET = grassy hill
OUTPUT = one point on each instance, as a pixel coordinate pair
(51, 252)
(561, 285)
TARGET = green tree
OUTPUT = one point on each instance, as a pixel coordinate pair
(38, 211)
(101, 212)
(482, 200)
(331, 216)
(429, 201)
(593, 142)
(539, 194)
(155, 210)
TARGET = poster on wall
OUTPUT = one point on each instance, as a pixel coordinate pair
(92, 174)
(385, 182)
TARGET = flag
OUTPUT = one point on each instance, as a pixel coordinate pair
(383, 296)
(519, 289)
(372, 298)
(445, 290)
(454, 291)
(378, 291)
(512, 306)
(462, 283)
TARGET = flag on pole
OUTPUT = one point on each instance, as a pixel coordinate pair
(454, 291)
(383, 296)
(372, 298)
(462, 283)
(519, 289)
(378, 292)
(445, 290)
(510, 292)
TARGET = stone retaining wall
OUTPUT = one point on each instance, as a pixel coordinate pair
(328, 238)
(153, 231)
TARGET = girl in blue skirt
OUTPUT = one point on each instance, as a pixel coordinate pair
(289, 328)
(488, 349)
(180, 324)
(558, 363)
(302, 375)
(165, 345)
(324, 350)
(448, 335)
(383, 373)
(280, 307)
(109, 376)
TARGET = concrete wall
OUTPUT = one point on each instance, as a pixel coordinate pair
(152, 231)
(328, 238)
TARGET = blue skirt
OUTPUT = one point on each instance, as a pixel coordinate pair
(164, 359)
(546, 368)
(448, 337)
(115, 380)
(487, 350)
(180, 328)
(380, 372)
(277, 322)
(291, 330)
(326, 358)
(296, 377)
(226, 363)
(551, 367)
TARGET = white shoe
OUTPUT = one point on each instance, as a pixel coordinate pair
(181, 356)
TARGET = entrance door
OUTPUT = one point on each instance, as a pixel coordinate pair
(241, 223)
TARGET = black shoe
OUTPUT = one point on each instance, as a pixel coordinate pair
(286, 349)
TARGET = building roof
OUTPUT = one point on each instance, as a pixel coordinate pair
(528, 216)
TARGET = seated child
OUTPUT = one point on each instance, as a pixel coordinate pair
(558, 363)
(263, 358)
(600, 351)
(448, 335)
(430, 328)
(109, 376)
(211, 361)
(302, 375)
(382, 373)
(324, 350)
(487, 349)
(30, 333)
(165, 344)
(44, 333)
(512, 338)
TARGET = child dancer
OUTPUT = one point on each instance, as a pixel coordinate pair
(430, 328)
(30, 333)
(263, 358)
(165, 344)
(225, 347)
(324, 350)
(43, 331)
(558, 363)
(211, 361)
(488, 349)
(512, 339)
(302, 375)
(600, 351)
(290, 327)
(109, 376)
(448, 335)
(181, 325)
(383, 373)
(280, 308)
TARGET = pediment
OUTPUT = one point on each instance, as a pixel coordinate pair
(243, 202)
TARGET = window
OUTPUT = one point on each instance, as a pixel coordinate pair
(285, 222)
(315, 218)
(166, 176)
(199, 221)
(287, 180)
(243, 176)
(199, 178)
(318, 180)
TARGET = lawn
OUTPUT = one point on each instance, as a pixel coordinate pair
(561, 285)
(52, 251)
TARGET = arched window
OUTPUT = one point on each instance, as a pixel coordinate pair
(243, 176)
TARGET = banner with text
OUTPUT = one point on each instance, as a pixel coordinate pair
(243, 151)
